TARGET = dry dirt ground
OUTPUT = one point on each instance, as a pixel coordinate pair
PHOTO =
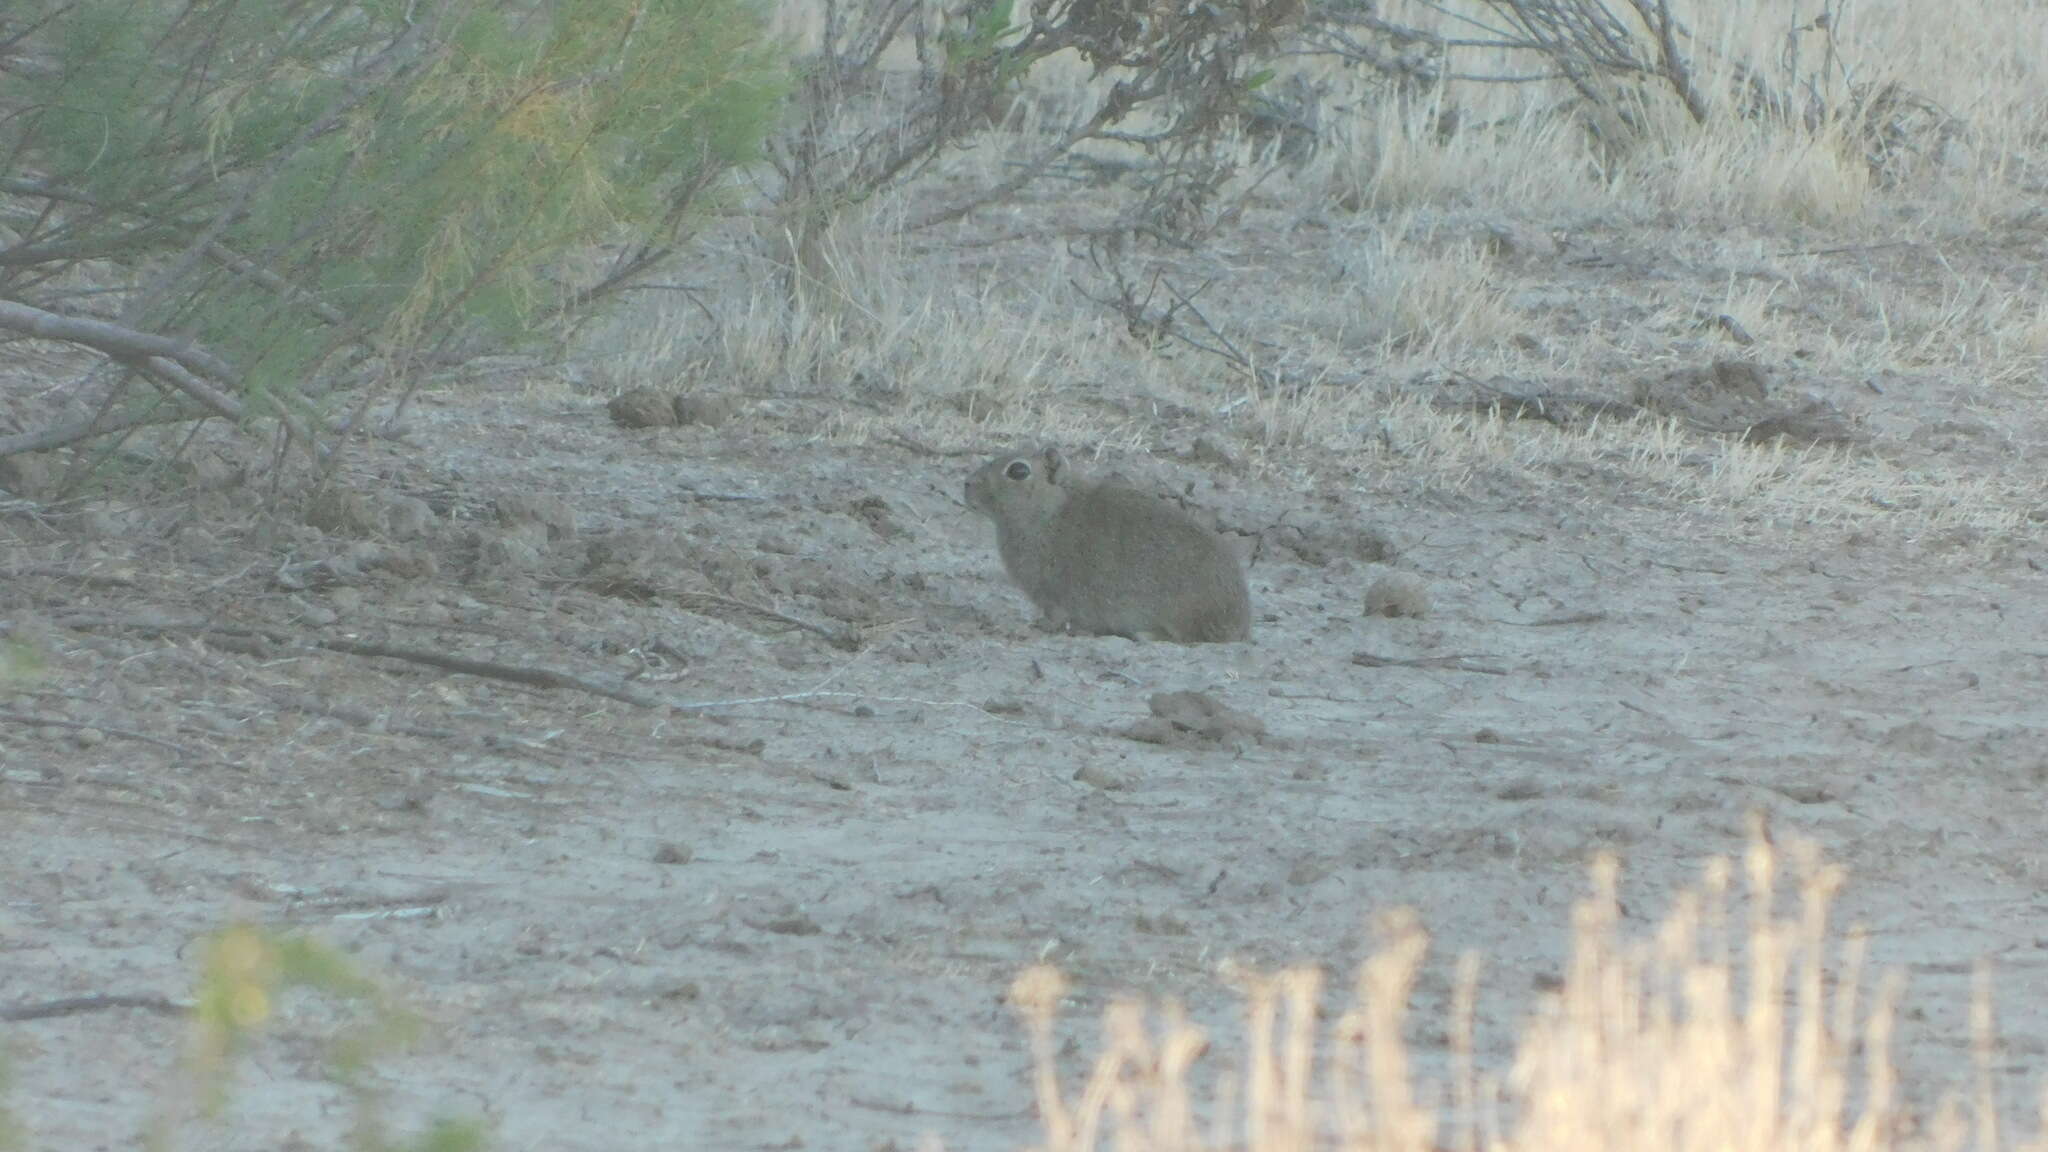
(783, 923)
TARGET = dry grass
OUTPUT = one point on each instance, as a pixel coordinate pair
(1699, 1036)
(1374, 266)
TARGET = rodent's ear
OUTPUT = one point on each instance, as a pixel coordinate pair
(1018, 470)
(1054, 463)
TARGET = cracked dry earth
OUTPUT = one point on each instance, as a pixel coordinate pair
(790, 923)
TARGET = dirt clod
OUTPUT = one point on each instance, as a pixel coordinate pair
(1106, 776)
(1736, 397)
(408, 518)
(1194, 719)
(516, 551)
(28, 475)
(874, 512)
(550, 512)
(642, 408)
(1397, 594)
(344, 512)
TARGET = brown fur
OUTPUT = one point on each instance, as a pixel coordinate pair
(1106, 559)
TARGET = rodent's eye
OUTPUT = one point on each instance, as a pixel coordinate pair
(1018, 470)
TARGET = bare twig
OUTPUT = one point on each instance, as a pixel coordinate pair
(73, 725)
(121, 343)
(59, 435)
(1453, 663)
(74, 1005)
(511, 673)
(258, 639)
(1558, 621)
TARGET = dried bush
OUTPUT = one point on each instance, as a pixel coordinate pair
(1613, 58)
(863, 125)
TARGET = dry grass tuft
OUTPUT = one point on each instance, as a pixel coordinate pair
(1699, 1037)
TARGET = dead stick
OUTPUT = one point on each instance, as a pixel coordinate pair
(1454, 663)
(113, 339)
(73, 1005)
(1556, 621)
(835, 638)
(24, 718)
(488, 669)
(57, 436)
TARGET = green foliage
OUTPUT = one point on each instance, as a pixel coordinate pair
(409, 167)
(245, 973)
(984, 33)
(19, 664)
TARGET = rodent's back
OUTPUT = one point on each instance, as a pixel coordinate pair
(1132, 564)
(1113, 560)
(1105, 558)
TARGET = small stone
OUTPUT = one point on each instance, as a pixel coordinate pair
(510, 551)
(1307, 871)
(1397, 594)
(88, 737)
(400, 800)
(977, 404)
(515, 509)
(343, 511)
(100, 524)
(672, 852)
(1526, 788)
(408, 517)
(1106, 777)
(1208, 451)
(795, 925)
(28, 475)
(409, 562)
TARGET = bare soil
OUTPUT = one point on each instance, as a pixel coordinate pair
(787, 918)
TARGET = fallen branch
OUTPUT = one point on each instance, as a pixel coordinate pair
(490, 669)
(691, 601)
(75, 726)
(1558, 621)
(57, 436)
(255, 640)
(846, 640)
(74, 1005)
(182, 366)
(124, 344)
(1453, 663)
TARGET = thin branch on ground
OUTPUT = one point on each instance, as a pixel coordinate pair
(60, 435)
(1558, 621)
(76, 726)
(1452, 663)
(75, 1005)
(265, 640)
